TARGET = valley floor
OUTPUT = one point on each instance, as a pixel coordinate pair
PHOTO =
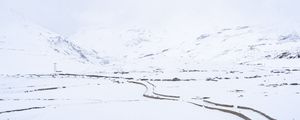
(212, 94)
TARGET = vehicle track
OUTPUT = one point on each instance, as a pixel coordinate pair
(18, 110)
(152, 94)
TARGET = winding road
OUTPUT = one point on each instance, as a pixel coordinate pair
(230, 109)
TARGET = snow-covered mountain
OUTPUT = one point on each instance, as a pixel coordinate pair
(26, 48)
(26, 45)
(141, 48)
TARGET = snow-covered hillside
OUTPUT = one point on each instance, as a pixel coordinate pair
(29, 48)
(152, 49)
(27, 45)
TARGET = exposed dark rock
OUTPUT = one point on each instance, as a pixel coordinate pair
(211, 79)
(148, 55)
(289, 37)
(165, 50)
(288, 55)
(121, 72)
(242, 27)
(294, 84)
(175, 79)
(251, 77)
(203, 36)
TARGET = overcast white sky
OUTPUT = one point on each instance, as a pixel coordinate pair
(68, 16)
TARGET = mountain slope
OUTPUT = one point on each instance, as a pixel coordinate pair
(26, 47)
(146, 49)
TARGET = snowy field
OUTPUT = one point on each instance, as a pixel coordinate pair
(215, 94)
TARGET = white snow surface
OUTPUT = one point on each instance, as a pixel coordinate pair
(103, 72)
(25, 45)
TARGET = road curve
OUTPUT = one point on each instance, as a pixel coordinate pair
(150, 93)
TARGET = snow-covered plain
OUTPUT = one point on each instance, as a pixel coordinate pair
(240, 72)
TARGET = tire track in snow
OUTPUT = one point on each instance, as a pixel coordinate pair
(150, 93)
(254, 110)
(242, 108)
(19, 110)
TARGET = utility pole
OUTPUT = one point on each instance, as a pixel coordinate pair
(55, 67)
